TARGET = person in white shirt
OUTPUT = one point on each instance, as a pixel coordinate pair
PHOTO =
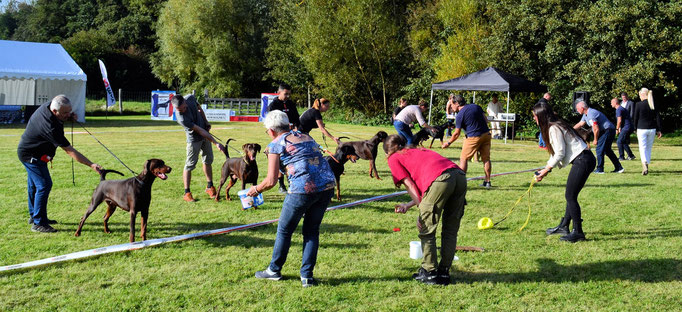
(494, 109)
(409, 115)
(565, 146)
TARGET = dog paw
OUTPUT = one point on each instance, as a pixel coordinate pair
(77, 234)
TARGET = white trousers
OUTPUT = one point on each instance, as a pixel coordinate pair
(646, 141)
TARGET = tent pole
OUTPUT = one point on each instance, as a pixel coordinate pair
(474, 97)
(430, 106)
(506, 122)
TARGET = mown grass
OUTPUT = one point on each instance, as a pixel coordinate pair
(631, 260)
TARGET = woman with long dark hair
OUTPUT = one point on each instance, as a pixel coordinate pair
(565, 146)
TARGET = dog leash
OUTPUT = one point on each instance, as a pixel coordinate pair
(355, 137)
(527, 192)
(228, 145)
(110, 152)
(73, 171)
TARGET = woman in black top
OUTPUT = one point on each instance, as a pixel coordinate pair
(648, 124)
(312, 118)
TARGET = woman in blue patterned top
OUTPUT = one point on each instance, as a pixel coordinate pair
(311, 186)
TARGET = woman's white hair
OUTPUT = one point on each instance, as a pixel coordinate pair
(277, 121)
(59, 101)
(648, 95)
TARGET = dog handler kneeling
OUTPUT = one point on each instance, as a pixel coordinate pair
(439, 187)
(311, 186)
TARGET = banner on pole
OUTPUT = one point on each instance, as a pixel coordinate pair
(111, 100)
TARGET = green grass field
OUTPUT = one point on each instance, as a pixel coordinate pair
(631, 261)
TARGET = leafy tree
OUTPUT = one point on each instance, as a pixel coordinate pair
(354, 50)
(217, 45)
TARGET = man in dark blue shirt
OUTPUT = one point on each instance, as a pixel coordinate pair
(623, 129)
(44, 133)
(472, 119)
(604, 132)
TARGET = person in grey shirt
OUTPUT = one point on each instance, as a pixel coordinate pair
(192, 118)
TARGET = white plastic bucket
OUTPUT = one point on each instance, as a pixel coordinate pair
(248, 201)
(416, 250)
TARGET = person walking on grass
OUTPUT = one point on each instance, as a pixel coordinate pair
(192, 118)
(648, 123)
(44, 133)
(604, 132)
(312, 118)
(623, 130)
(565, 146)
(438, 187)
(311, 186)
(472, 119)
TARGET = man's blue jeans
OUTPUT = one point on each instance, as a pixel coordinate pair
(39, 187)
(311, 208)
(404, 131)
(604, 147)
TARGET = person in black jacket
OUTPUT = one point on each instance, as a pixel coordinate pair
(285, 104)
(43, 134)
(648, 123)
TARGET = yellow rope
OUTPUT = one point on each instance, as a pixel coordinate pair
(532, 183)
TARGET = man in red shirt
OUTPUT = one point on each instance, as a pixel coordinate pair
(438, 186)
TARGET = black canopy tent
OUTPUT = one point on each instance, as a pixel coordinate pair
(489, 79)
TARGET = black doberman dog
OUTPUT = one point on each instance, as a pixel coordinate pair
(133, 195)
(437, 133)
(244, 168)
(367, 150)
(343, 155)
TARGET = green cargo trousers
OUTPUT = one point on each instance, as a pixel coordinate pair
(444, 199)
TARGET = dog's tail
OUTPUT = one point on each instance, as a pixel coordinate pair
(227, 151)
(103, 174)
(343, 137)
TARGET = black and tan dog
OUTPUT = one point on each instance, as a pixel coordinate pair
(133, 195)
(437, 133)
(243, 168)
(343, 155)
(367, 150)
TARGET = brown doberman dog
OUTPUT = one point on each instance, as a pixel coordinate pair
(132, 195)
(343, 155)
(244, 168)
(367, 150)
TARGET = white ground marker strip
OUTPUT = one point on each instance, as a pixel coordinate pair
(158, 241)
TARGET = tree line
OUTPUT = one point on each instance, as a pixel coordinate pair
(365, 54)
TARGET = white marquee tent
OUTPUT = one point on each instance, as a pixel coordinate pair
(33, 73)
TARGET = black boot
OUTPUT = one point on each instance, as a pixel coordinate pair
(573, 237)
(282, 187)
(577, 233)
(562, 228)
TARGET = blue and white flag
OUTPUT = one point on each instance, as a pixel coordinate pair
(111, 101)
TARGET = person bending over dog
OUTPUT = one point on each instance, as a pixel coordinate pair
(407, 116)
(192, 118)
(565, 146)
(311, 186)
(38, 144)
(438, 186)
(312, 118)
(472, 119)
(604, 132)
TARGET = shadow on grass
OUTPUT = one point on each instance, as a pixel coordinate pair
(646, 234)
(647, 270)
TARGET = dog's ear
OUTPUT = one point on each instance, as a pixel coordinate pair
(245, 146)
(257, 147)
(145, 167)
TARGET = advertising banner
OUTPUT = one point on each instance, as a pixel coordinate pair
(162, 109)
(111, 101)
(266, 99)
